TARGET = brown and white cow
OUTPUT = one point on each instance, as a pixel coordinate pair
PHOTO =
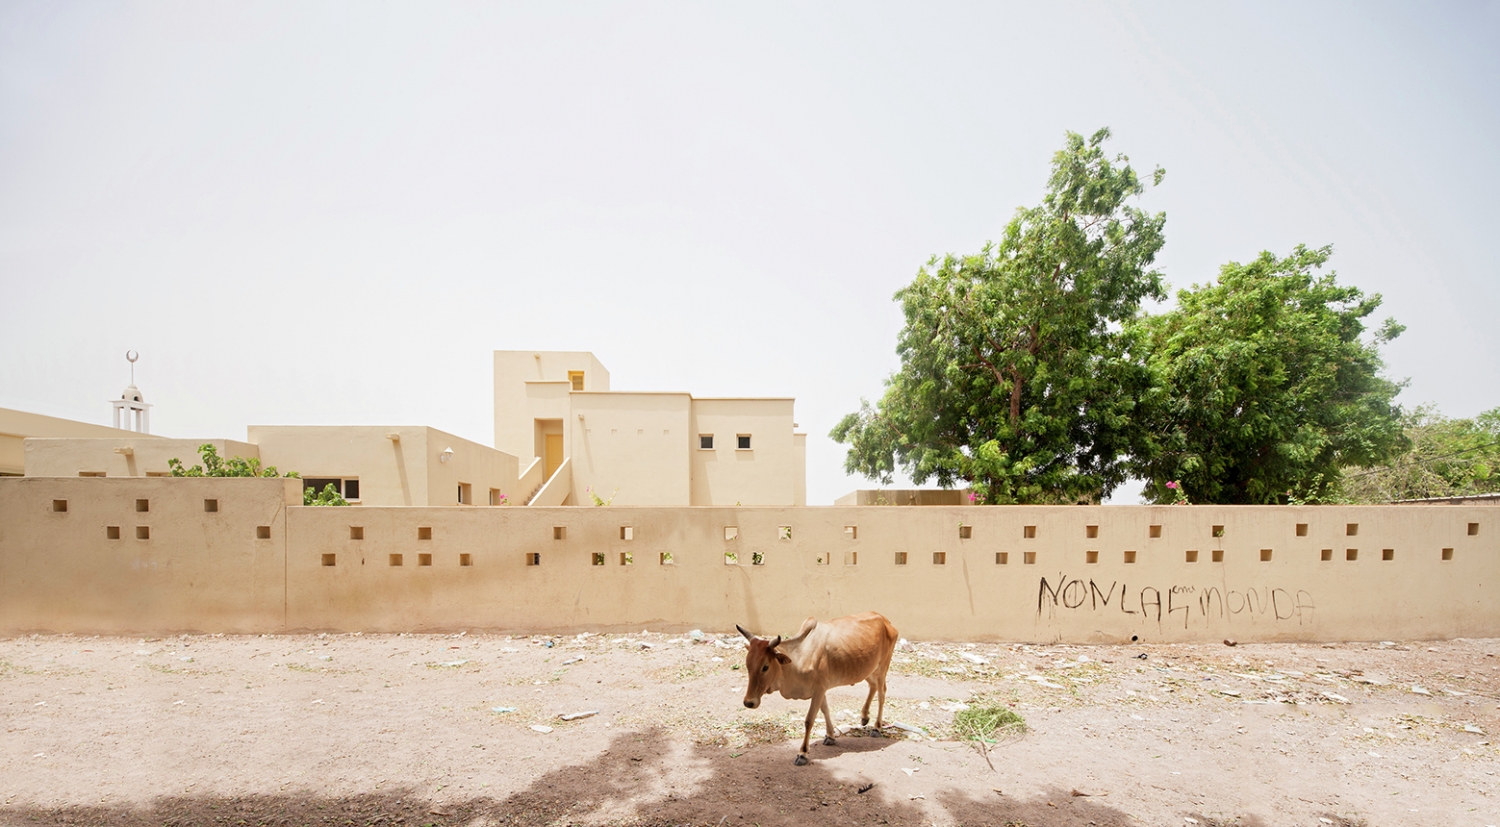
(839, 652)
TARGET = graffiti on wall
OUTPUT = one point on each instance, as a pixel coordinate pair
(1183, 604)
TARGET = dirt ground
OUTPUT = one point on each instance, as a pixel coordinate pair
(448, 730)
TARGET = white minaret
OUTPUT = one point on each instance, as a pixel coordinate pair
(131, 402)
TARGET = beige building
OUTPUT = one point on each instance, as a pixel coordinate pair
(17, 426)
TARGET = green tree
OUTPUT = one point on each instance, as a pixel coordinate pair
(215, 466)
(1015, 375)
(1264, 387)
(1444, 458)
(328, 496)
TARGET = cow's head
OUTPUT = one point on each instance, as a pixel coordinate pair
(763, 665)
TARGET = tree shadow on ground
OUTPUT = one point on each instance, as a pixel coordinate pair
(631, 783)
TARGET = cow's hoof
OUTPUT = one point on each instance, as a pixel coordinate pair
(865, 721)
(801, 760)
(828, 742)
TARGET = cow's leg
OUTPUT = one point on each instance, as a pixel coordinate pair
(812, 716)
(828, 724)
(864, 714)
(880, 714)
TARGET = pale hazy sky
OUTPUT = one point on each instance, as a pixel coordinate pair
(326, 213)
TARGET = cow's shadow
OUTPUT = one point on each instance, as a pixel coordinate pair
(643, 778)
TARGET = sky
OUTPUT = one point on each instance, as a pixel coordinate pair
(313, 213)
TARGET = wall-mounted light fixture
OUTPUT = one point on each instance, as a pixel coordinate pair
(446, 455)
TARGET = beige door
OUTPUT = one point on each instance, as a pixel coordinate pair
(554, 453)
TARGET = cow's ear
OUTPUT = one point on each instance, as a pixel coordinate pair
(747, 635)
(781, 657)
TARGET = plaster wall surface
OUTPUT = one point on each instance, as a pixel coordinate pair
(766, 473)
(16, 426)
(631, 446)
(70, 457)
(194, 570)
(1256, 573)
(514, 412)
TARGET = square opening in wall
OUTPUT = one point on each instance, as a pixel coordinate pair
(627, 532)
(559, 532)
(851, 558)
(465, 493)
(424, 559)
(757, 558)
(940, 558)
(1218, 555)
(823, 560)
(262, 532)
(742, 442)
(1218, 531)
(1351, 554)
(112, 532)
(598, 558)
(1301, 529)
(900, 558)
(1351, 530)
(60, 505)
(1325, 555)
(1028, 532)
(1130, 557)
(1473, 529)
(495, 496)
(705, 442)
(1029, 558)
(666, 558)
(330, 559)
(965, 532)
(1154, 532)
(851, 532)
(142, 505)
(731, 558)
(1265, 555)
(1091, 532)
(143, 532)
(784, 532)
(575, 380)
(627, 559)
(1002, 558)
(1387, 554)
(731, 532)
(1447, 554)
(1091, 557)
(1192, 555)
(424, 532)
(356, 532)
(211, 506)
(533, 558)
(395, 560)
(465, 560)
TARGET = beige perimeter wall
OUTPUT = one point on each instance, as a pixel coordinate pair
(1260, 579)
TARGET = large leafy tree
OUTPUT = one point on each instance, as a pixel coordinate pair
(1265, 385)
(1015, 373)
(1444, 458)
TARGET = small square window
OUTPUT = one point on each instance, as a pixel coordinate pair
(1325, 555)
(262, 532)
(940, 558)
(351, 489)
(1155, 532)
(666, 558)
(1192, 555)
(1091, 557)
(1002, 558)
(852, 532)
(1028, 532)
(1218, 531)
(900, 558)
(1351, 554)
(112, 532)
(1091, 532)
(1351, 530)
(731, 532)
(424, 532)
(559, 532)
(142, 505)
(627, 532)
(1473, 529)
(465, 560)
(705, 442)
(1029, 558)
(356, 532)
(1447, 554)
(330, 559)
(598, 558)
(784, 532)
(143, 532)
(731, 558)
(1301, 529)
(1387, 554)
(742, 442)
(424, 559)
(1130, 557)
(757, 558)
(851, 558)
(60, 505)
(1265, 555)
(627, 559)
(575, 380)
(1218, 555)
(533, 558)
(965, 532)
(211, 506)
(395, 559)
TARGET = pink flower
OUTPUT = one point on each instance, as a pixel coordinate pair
(972, 498)
(1172, 485)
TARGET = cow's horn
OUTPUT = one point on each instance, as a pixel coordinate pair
(747, 635)
(775, 643)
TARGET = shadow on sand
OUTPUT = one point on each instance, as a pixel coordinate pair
(630, 784)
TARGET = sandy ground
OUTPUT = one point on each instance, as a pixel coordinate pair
(443, 730)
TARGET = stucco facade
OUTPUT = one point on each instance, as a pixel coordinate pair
(17, 426)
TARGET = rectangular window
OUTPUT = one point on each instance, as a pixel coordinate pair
(494, 496)
(742, 442)
(900, 558)
(346, 487)
(262, 532)
(211, 506)
(465, 494)
(705, 442)
(112, 532)
(351, 489)
(575, 379)
(330, 559)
